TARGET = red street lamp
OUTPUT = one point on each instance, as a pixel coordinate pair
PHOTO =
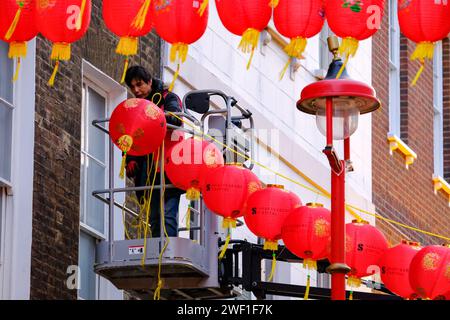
(337, 104)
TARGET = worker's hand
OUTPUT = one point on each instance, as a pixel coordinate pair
(132, 167)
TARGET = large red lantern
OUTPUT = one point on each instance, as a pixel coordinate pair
(298, 21)
(17, 26)
(394, 266)
(266, 211)
(306, 233)
(245, 18)
(129, 20)
(62, 22)
(429, 272)
(423, 22)
(353, 21)
(226, 190)
(137, 127)
(178, 22)
(364, 246)
(187, 162)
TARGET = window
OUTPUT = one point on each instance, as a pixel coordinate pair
(438, 112)
(394, 70)
(325, 56)
(6, 114)
(93, 177)
(2, 232)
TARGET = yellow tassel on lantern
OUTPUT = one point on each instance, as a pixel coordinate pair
(15, 21)
(228, 223)
(139, 21)
(348, 47)
(125, 143)
(424, 50)
(203, 7)
(188, 218)
(192, 194)
(225, 246)
(125, 68)
(128, 46)
(350, 297)
(273, 3)
(354, 282)
(274, 264)
(249, 42)
(17, 50)
(309, 264)
(308, 284)
(61, 51)
(270, 245)
(51, 81)
(179, 52)
(294, 49)
(16, 73)
(80, 16)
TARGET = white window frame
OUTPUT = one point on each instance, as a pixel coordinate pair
(438, 102)
(394, 70)
(325, 56)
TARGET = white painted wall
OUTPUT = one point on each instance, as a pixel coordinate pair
(215, 62)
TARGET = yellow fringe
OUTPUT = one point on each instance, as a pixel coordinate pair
(15, 22)
(249, 42)
(348, 47)
(16, 74)
(354, 282)
(61, 51)
(179, 50)
(270, 245)
(274, 264)
(225, 246)
(203, 7)
(125, 68)
(80, 17)
(122, 166)
(228, 223)
(273, 3)
(139, 21)
(308, 284)
(128, 46)
(17, 49)
(309, 264)
(51, 81)
(175, 77)
(192, 194)
(296, 47)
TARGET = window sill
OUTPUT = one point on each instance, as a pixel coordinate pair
(396, 144)
(440, 184)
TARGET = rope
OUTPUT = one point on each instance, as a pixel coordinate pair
(321, 193)
(274, 264)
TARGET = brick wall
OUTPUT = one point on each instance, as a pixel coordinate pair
(405, 195)
(57, 151)
(446, 106)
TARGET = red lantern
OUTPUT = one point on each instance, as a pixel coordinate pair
(298, 20)
(226, 190)
(178, 22)
(17, 26)
(266, 211)
(187, 162)
(364, 246)
(429, 272)
(394, 266)
(62, 22)
(129, 20)
(353, 21)
(137, 127)
(306, 233)
(423, 22)
(246, 19)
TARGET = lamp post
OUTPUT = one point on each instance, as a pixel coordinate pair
(337, 104)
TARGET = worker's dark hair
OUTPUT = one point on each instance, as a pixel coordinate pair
(137, 73)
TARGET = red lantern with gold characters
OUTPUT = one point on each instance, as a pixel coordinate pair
(188, 161)
(424, 22)
(266, 211)
(179, 23)
(129, 20)
(353, 21)
(364, 247)
(429, 272)
(298, 21)
(245, 18)
(17, 26)
(62, 22)
(394, 265)
(137, 127)
(226, 190)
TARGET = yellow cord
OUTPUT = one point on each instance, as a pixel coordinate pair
(139, 21)
(188, 218)
(308, 284)
(419, 73)
(16, 74)
(203, 7)
(80, 16)
(51, 81)
(225, 246)
(15, 21)
(274, 264)
(348, 47)
(282, 73)
(124, 72)
(321, 191)
(351, 295)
